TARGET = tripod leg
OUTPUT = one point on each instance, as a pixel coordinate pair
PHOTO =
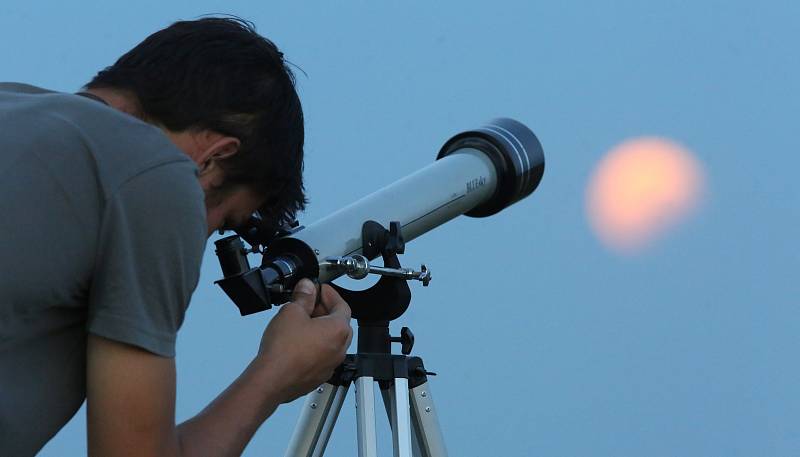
(365, 416)
(426, 423)
(388, 400)
(401, 419)
(316, 421)
(330, 420)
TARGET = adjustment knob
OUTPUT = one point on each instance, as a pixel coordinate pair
(406, 340)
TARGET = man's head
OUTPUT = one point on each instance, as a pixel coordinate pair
(226, 97)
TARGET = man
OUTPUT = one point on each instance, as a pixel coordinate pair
(107, 198)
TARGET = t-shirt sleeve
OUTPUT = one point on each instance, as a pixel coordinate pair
(150, 247)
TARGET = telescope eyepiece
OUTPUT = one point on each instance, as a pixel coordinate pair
(232, 256)
(516, 154)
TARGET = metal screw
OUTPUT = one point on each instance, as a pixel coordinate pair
(424, 394)
(316, 251)
(313, 406)
(320, 389)
(427, 409)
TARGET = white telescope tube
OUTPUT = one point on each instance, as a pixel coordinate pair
(419, 202)
(478, 172)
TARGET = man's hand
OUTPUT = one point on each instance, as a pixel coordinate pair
(307, 339)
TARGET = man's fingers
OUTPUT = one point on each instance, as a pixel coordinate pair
(304, 294)
(334, 303)
(338, 316)
(320, 309)
(319, 301)
(349, 338)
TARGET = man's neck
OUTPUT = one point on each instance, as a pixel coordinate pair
(121, 100)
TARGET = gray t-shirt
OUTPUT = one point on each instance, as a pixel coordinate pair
(102, 231)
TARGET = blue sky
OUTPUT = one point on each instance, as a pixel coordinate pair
(545, 342)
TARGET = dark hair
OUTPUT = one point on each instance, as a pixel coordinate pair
(219, 74)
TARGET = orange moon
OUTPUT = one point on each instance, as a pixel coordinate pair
(641, 189)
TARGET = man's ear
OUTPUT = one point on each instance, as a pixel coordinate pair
(218, 149)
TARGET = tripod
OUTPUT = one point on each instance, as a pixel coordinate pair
(402, 379)
(406, 395)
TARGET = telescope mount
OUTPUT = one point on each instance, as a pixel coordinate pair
(402, 378)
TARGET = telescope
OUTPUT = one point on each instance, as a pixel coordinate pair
(477, 173)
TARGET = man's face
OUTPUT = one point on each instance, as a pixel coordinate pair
(230, 209)
(225, 209)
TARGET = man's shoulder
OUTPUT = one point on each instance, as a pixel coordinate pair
(91, 117)
(120, 146)
(22, 88)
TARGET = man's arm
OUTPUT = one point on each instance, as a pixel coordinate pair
(131, 392)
